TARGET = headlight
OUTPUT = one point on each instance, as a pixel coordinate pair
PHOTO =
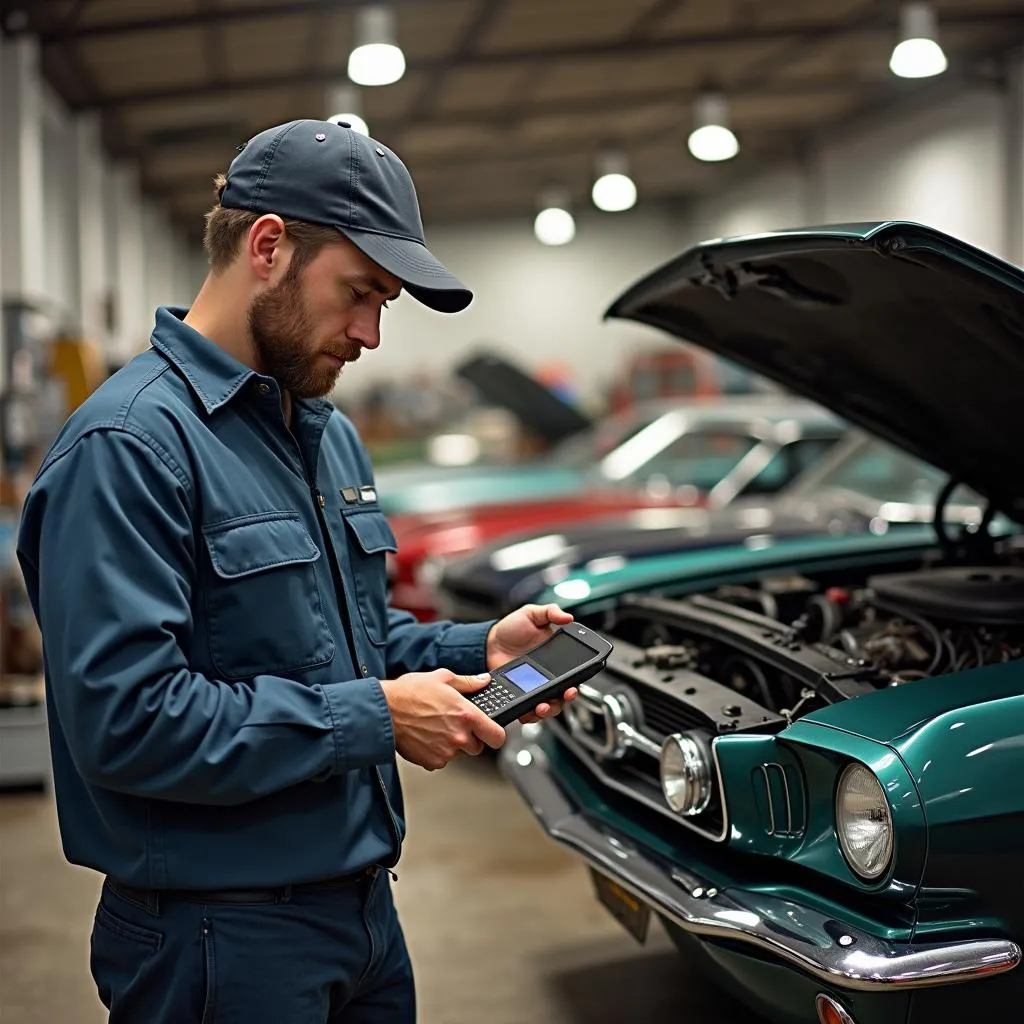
(864, 822)
(686, 773)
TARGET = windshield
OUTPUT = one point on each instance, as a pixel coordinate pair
(885, 474)
(585, 449)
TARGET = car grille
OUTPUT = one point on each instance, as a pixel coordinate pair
(663, 715)
(637, 774)
(646, 775)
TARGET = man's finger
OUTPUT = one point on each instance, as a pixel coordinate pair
(470, 684)
(488, 731)
(555, 614)
(472, 747)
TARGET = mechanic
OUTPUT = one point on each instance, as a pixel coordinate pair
(226, 685)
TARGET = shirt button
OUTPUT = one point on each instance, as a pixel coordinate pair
(264, 389)
(365, 669)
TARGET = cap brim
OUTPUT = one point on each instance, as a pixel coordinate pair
(424, 276)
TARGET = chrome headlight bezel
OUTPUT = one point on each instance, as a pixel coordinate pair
(854, 861)
(685, 773)
(594, 719)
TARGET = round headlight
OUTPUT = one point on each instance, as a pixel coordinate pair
(864, 822)
(685, 773)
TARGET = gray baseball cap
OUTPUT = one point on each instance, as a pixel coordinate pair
(326, 173)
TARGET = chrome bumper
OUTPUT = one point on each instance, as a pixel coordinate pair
(829, 950)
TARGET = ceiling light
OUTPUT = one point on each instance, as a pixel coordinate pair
(712, 139)
(554, 224)
(376, 59)
(918, 55)
(345, 100)
(613, 190)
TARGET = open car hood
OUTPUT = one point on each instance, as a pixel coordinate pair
(908, 332)
(536, 406)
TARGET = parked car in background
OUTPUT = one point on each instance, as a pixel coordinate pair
(577, 444)
(797, 757)
(863, 485)
(692, 454)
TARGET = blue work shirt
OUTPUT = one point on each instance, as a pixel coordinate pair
(211, 587)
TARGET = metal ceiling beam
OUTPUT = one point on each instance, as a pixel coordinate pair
(811, 32)
(214, 16)
(484, 18)
(511, 117)
(652, 17)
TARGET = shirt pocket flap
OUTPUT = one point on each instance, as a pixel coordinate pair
(372, 531)
(254, 545)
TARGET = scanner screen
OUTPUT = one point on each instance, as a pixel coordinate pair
(526, 677)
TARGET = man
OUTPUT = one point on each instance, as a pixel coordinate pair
(226, 685)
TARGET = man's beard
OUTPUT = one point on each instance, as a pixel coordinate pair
(281, 329)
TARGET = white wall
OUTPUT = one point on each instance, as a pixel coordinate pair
(537, 304)
(943, 165)
(780, 198)
(75, 228)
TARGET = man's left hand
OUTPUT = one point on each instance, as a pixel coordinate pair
(519, 632)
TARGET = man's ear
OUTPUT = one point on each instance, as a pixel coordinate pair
(266, 246)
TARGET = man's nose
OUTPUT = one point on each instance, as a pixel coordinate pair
(365, 330)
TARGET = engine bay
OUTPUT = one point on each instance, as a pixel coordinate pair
(790, 643)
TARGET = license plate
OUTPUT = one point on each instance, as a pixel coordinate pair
(633, 915)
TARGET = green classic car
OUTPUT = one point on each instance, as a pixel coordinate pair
(802, 758)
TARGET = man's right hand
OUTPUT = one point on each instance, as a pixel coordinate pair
(434, 722)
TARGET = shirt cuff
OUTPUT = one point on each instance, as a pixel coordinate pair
(463, 647)
(361, 720)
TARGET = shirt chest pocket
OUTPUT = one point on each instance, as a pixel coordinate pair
(263, 606)
(369, 540)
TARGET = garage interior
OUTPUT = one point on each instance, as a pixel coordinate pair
(115, 117)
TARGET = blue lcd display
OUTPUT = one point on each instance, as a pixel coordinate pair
(525, 676)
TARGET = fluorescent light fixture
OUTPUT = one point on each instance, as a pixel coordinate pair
(554, 224)
(376, 59)
(614, 190)
(918, 54)
(711, 139)
(345, 100)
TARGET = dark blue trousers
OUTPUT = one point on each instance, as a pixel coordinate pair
(323, 956)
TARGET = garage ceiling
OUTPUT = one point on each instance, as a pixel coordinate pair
(500, 97)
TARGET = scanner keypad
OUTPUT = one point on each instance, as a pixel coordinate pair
(493, 697)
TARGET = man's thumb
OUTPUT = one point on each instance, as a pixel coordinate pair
(470, 684)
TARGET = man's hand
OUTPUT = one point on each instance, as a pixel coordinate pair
(519, 632)
(433, 721)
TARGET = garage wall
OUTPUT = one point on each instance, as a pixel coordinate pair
(536, 303)
(73, 227)
(943, 164)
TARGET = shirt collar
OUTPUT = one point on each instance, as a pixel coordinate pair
(214, 375)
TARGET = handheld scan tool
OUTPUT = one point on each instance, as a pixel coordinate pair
(570, 656)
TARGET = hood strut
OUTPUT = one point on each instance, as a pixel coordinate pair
(972, 546)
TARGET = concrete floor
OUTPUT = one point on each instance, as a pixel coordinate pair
(475, 864)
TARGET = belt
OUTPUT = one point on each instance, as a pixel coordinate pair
(150, 899)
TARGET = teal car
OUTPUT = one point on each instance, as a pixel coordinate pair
(802, 759)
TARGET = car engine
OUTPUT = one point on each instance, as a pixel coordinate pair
(756, 656)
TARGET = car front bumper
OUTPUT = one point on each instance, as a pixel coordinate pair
(842, 957)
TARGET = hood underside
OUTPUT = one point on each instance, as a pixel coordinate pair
(536, 406)
(908, 332)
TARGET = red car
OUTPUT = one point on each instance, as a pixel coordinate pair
(712, 455)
